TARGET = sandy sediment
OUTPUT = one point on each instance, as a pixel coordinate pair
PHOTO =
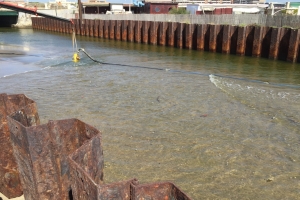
(17, 198)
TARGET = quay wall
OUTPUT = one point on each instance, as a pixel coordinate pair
(277, 43)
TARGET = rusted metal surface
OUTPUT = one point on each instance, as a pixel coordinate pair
(214, 30)
(112, 24)
(10, 184)
(145, 31)
(241, 41)
(275, 38)
(96, 28)
(101, 28)
(226, 39)
(189, 36)
(91, 27)
(63, 159)
(153, 33)
(106, 29)
(130, 31)
(268, 42)
(118, 29)
(138, 32)
(201, 31)
(257, 41)
(158, 191)
(162, 34)
(180, 34)
(124, 30)
(41, 154)
(172, 28)
(293, 45)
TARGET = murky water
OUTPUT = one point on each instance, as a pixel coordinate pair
(218, 126)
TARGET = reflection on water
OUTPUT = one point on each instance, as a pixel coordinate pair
(234, 135)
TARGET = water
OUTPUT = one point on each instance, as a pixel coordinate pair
(218, 126)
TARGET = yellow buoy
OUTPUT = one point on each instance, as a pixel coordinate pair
(76, 57)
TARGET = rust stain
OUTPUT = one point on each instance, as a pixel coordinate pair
(63, 159)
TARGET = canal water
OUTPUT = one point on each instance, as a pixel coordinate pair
(218, 126)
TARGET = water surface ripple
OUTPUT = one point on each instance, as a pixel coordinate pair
(218, 126)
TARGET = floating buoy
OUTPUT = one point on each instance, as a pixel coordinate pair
(76, 57)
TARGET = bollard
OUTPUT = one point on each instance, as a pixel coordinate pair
(10, 184)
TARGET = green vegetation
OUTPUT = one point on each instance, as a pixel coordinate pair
(178, 11)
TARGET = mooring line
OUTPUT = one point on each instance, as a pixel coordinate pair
(191, 72)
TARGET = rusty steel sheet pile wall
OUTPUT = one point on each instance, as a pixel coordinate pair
(10, 184)
(258, 41)
(62, 159)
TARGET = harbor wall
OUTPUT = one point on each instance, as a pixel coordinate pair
(277, 43)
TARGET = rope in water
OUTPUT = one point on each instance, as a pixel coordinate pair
(177, 71)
